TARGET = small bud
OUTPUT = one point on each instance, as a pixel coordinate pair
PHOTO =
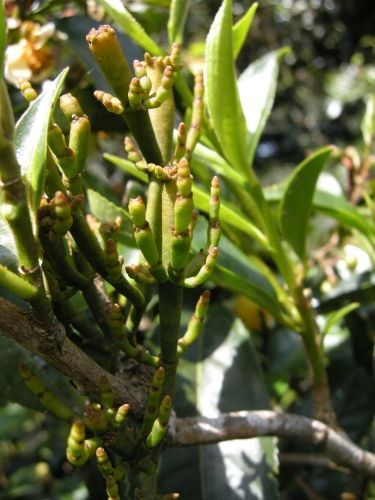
(70, 106)
(108, 53)
(183, 210)
(137, 211)
(104, 464)
(27, 90)
(111, 103)
(135, 94)
(121, 414)
(56, 140)
(184, 179)
(79, 138)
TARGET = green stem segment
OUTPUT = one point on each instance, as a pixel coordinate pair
(170, 305)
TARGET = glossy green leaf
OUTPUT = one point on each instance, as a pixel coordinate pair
(333, 206)
(118, 12)
(221, 373)
(222, 96)
(241, 29)
(250, 288)
(106, 212)
(177, 18)
(296, 204)
(257, 88)
(3, 36)
(31, 138)
(336, 316)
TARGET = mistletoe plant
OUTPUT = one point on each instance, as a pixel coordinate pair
(64, 253)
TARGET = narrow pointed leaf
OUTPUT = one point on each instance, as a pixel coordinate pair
(116, 10)
(241, 29)
(251, 289)
(31, 138)
(257, 88)
(126, 166)
(177, 18)
(297, 200)
(332, 206)
(221, 90)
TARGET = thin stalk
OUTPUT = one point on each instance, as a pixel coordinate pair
(311, 338)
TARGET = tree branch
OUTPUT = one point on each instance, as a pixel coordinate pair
(248, 424)
(69, 359)
(19, 326)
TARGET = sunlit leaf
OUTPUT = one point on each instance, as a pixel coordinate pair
(107, 212)
(118, 12)
(241, 29)
(177, 18)
(257, 88)
(296, 204)
(31, 138)
(221, 373)
(221, 89)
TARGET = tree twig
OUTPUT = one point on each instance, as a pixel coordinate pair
(248, 424)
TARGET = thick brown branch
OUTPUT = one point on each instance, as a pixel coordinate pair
(69, 359)
(248, 424)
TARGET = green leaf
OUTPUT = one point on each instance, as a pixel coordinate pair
(31, 138)
(257, 88)
(341, 210)
(297, 200)
(221, 373)
(126, 166)
(241, 29)
(333, 206)
(177, 18)
(222, 97)
(106, 212)
(250, 288)
(116, 10)
(3, 36)
(336, 316)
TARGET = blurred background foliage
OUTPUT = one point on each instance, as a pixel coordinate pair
(322, 89)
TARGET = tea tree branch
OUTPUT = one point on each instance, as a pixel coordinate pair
(249, 424)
